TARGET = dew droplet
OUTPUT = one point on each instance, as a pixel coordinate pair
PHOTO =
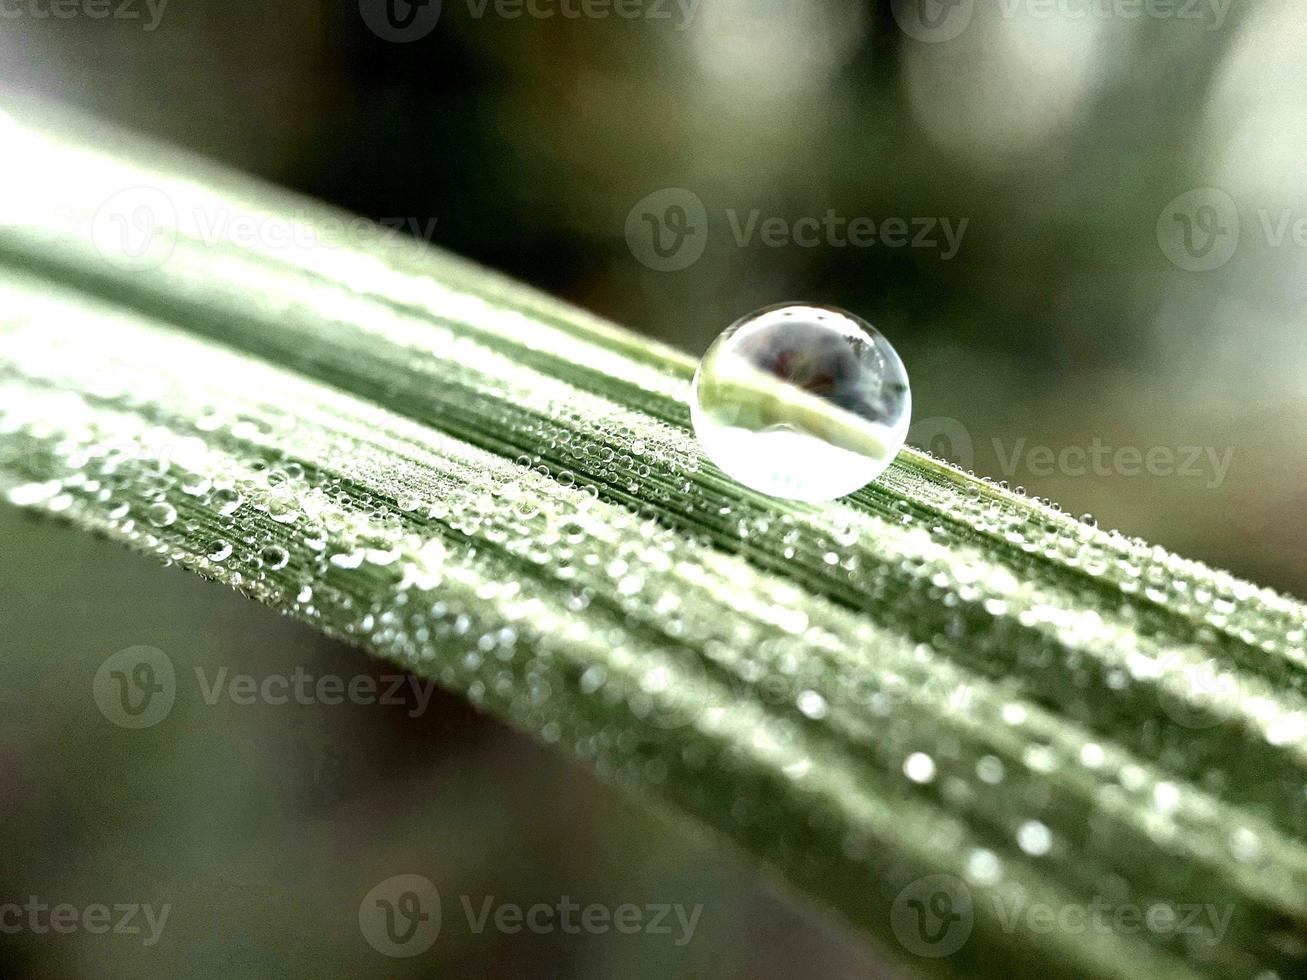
(27, 494)
(195, 484)
(274, 557)
(984, 867)
(226, 500)
(161, 514)
(801, 402)
(1034, 838)
(813, 705)
(919, 767)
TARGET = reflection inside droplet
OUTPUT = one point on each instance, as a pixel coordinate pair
(803, 402)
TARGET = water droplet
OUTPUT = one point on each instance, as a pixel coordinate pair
(219, 550)
(274, 557)
(919, 767)
(226, 500)
(1166, 797)
(28, 494)
(347, 559)
(813, 705)
(1092, 755)
(1034, 838)
(802, 402)
(1245, 845)
(161, 514)
(983, 866)
(990, 769)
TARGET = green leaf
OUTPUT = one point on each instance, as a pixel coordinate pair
(934, 677)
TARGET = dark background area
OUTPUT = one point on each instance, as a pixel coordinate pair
(1078, 146)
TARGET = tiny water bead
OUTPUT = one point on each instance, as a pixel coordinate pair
(802, 402)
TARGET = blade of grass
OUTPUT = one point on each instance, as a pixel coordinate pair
(933, 677)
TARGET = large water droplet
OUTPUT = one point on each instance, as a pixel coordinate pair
(803, 402)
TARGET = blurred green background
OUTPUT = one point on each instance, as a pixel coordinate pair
(1083, 224)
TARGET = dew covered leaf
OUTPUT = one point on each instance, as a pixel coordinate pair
(935, 707)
